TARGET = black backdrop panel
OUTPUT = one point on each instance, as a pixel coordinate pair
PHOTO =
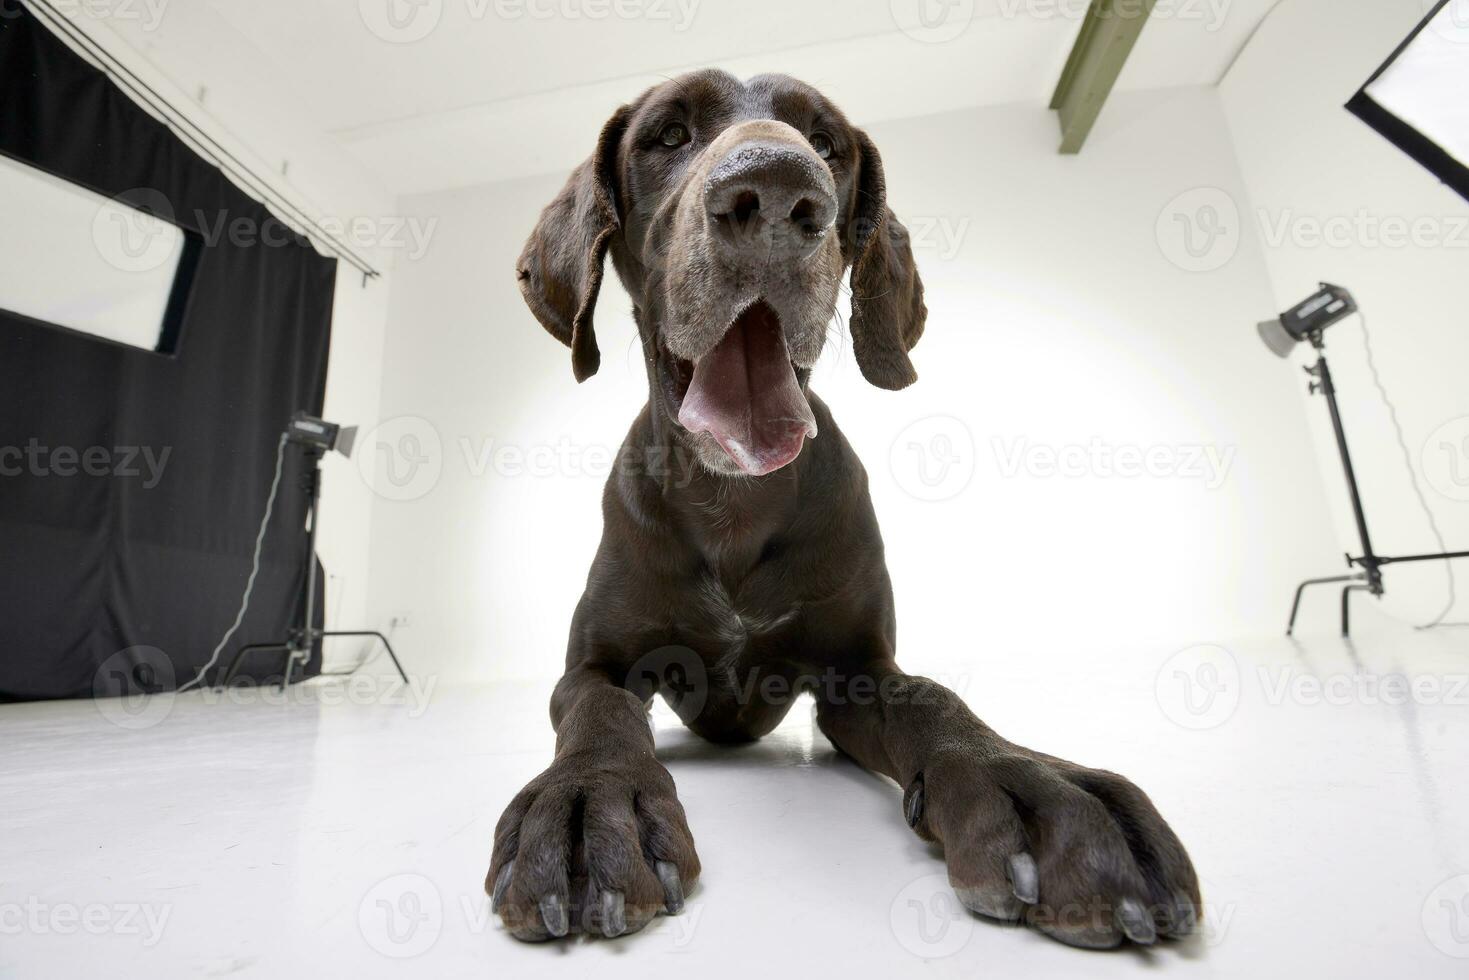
(152, 548)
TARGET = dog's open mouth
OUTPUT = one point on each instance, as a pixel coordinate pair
(745, 393)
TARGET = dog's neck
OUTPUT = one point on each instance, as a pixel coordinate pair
(732, 521)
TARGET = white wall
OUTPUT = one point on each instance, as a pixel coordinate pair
(1310, 165)
(227, 87)
(1060, 315)
(353, 386)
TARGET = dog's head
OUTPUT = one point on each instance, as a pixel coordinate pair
(732, 209)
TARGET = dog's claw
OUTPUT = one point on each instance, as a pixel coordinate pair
(1025, 880)
(553, 913)
(990, 903)
(614, 914)
(913, 802)
(672, 886)
(502, 882)
(1135, 922)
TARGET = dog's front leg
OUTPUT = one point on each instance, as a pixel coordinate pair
(1081, 854)
(597, 842)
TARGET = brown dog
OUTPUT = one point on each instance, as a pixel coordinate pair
(740, 565)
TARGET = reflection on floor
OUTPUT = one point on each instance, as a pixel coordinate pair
(343, 830)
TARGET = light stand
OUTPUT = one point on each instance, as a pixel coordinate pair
(1370, 578)
(317, 438)
(1308, 321)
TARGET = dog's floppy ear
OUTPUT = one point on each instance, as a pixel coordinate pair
(560, 268)
(887, 296)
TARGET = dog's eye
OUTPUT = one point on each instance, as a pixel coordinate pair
(674, 134)
(821, 143)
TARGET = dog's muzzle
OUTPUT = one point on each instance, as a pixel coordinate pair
(769, 199)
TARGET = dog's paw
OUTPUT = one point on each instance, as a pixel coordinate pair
(1080, 854)
(593, 844)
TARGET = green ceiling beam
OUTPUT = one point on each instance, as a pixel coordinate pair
(1107, 37)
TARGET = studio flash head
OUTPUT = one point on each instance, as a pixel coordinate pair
(307, 430)
(1306, 320)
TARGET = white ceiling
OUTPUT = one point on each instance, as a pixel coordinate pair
(498, 89)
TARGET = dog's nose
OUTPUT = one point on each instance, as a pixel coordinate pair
(770, 198)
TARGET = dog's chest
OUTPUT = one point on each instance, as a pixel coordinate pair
(744, 646)
(733, 620)
(737, 608)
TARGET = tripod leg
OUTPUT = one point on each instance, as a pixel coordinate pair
(380, 636)
(394, 656)
(244, 652)
(286, 676)
(229, 675)
(1296, 605)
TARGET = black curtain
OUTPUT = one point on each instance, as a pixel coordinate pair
(97, 562)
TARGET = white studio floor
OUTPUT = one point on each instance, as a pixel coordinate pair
(343, 833)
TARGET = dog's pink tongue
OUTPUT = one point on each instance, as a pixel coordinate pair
(745, 394)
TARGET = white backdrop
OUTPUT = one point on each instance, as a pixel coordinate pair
(1098, 451)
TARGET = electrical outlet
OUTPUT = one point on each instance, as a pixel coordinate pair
(402, 620)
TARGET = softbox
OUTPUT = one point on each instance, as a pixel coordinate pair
(1419, 99)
